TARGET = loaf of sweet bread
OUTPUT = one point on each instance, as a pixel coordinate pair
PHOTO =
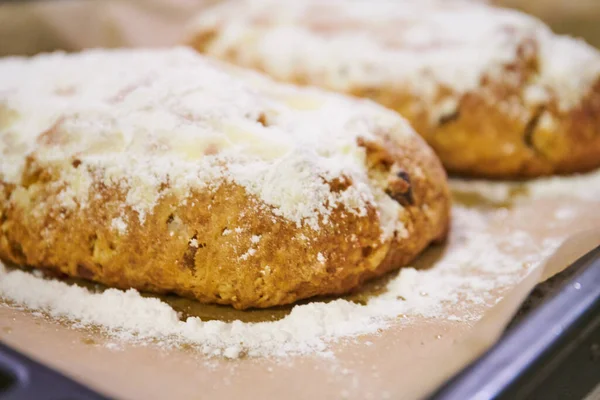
(166, 171)
(493, 91)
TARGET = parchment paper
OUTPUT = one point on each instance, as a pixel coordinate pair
(406, 361)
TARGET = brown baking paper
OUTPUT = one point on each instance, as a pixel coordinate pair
(408, 360)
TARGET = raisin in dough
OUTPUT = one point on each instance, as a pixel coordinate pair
(165, 171)
(493, 91)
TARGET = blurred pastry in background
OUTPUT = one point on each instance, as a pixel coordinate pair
(578, 18)
(494, 91)
(31, 27)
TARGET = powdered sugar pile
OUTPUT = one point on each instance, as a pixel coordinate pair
(421, 46)
(462, 280)
(476, 267)
(163, 122)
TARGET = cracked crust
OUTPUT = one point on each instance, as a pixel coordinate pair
(531, 109)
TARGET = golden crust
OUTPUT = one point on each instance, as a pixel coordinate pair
(491, 130)
(175, 173)
(195, 250)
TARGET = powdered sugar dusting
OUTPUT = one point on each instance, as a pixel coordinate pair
(421, 46)
(159, 122)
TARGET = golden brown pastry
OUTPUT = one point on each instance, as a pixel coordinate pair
(169, 172)
(493, 91)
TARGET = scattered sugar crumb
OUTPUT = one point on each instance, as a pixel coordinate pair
(255, 239)
(194, 243)
(565, 213)
(226, 232)
(248, 254)
(233, 351)
(113, 346)
(266, 270)
(321, 258)
(119, 225)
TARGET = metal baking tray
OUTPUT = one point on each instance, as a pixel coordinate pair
(21, 378)
(550, 351)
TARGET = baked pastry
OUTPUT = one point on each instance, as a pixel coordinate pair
(493, 91)
(169, 172)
